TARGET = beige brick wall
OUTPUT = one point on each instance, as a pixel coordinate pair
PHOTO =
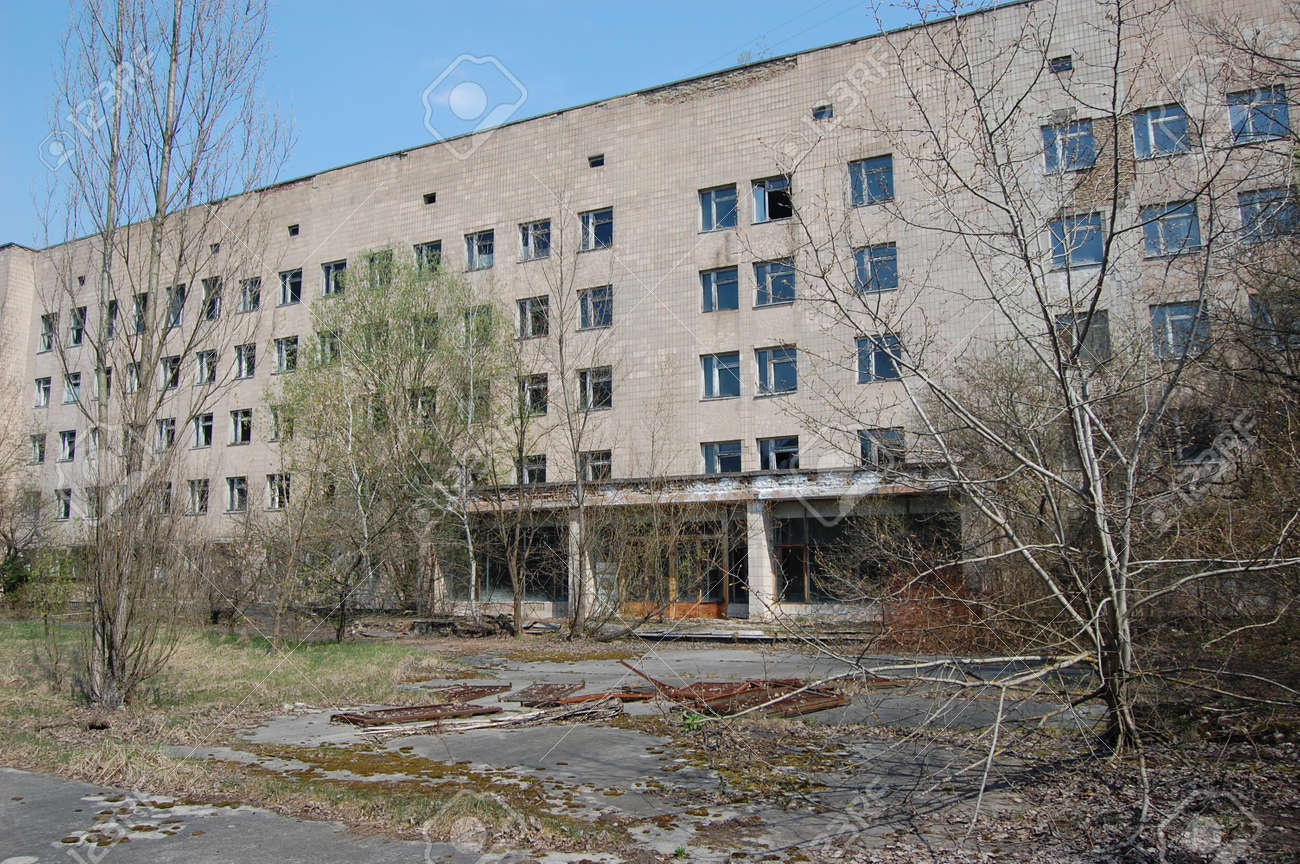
(662, 146)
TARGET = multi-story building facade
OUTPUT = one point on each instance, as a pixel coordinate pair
(690, 220)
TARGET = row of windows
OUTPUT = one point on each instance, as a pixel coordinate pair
(879, 447)
(1173, 228)
(198, 495)
(201, 430)
(284, 359)
(1076, 241)
(776, 367)
(1259, 114)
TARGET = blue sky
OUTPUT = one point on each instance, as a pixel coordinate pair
(351, 76)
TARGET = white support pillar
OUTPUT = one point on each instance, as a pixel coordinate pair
(582, 581)
(762, 575)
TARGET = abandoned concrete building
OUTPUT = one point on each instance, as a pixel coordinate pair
(707, 363)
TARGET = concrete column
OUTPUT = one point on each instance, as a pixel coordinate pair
(582, 581)
(762, 575)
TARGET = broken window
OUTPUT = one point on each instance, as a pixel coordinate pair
(332, 277)
(597, 465)
(38, 449)
(250, 294)
(169, 372)
(62, 504)
(277, 491)
(778, 454)
(165, 433)
(597, 229)
(49, 327)
(77, 326)
(596, 307)
(534, 390)
(203, 431)
(139, 311)
(72, 388)
(198, 497)
(205, 367)
(67, 445)
(290, 287)
(211, 299)
(245, 360)
(595, 388)
(479, 248)
(236, 494)
(329, 350)
(534, 317)
(241, 426)
(282, 420)
(535, 240)
(286, 354)
(1178, 329)
(175, 305)
(772, 199)
(881, 447)
(428, 256)
(778, 370)
(531, 469)
(1093, 330)
(721, 457)
(42, 393)
(1268, 213)
(1277, 319)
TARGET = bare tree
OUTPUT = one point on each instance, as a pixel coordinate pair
(579, 358)
(161, 124)
(1015, 349)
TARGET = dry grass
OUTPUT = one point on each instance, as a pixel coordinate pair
(216, 684)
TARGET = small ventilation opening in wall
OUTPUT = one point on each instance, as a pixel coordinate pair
(293, 230)
(430, 197)
(596, 161)
(823, 112)
(1061, 64)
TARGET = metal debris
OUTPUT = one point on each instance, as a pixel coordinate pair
(412, 714)
(545, 695)
(467, 692)
(785, 697)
